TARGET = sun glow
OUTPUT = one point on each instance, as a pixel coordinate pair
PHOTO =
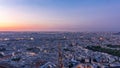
(8, 26)
(12, 19)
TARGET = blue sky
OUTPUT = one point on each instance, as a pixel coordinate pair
(61, 15)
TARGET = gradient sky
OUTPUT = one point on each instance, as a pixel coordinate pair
(59, 15)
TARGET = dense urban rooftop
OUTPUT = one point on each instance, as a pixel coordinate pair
(59, 50)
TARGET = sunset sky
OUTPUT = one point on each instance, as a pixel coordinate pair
(59, 15)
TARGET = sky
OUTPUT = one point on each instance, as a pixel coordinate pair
(59, 15)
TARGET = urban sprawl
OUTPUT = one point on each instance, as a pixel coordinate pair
(59, 49)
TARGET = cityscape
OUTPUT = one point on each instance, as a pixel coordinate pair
(59, 33)
(59, 50)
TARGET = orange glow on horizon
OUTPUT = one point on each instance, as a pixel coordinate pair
(22, 27)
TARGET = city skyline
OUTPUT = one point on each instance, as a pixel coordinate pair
(59, 15)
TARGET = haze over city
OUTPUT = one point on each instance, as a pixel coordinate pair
(59, 15)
